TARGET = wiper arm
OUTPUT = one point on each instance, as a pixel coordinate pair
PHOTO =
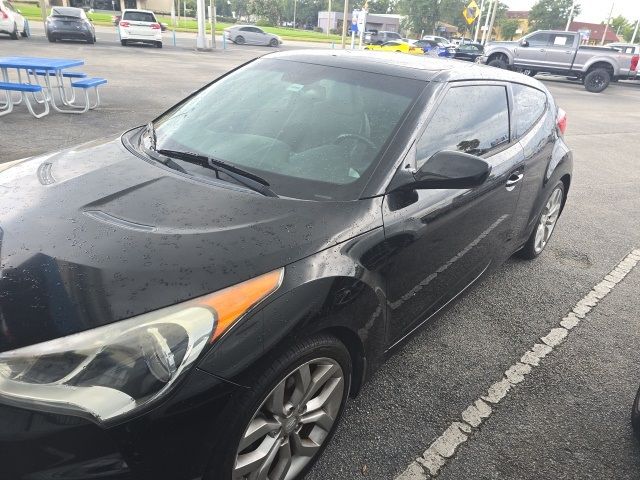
(248, 179)
(151, 151)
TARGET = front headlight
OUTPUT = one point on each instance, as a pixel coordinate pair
(113, 370)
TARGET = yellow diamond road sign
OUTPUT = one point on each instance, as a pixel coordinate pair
(471, 12)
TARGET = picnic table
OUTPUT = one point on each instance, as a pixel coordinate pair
(53, 70)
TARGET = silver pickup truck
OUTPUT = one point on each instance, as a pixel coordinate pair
(560, 52)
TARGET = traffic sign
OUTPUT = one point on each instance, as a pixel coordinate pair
(471, 12)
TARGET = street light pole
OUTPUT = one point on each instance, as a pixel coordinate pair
(43, 11)
(329, 21)
(295, 4)
(604, 34)
(486, 21)
(573, 6)
(493, 19)
(478, 21)
(202, 42)
(345, 14)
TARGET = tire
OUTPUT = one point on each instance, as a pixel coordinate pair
(529, 73)
(15, 35)
(597, 80)
(91, 40)
(51, 39)
(24, 32)
(158, 44)
(123, 43)
(498, 63)
(533, 248)
(239, 40)
(274, 42)
(635, 415)
(322, 352)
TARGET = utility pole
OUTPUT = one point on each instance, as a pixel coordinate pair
(295, 4)
(345, 14)
(493, 18)
(212, 7)
(604, 34)
(573, 6)
(43, 11)
(635, 32)
(478, 21)
(329, 21)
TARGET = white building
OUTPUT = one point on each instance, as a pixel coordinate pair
(375, 21)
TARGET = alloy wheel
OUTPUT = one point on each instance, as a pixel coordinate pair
(548, 220)
(292, 423)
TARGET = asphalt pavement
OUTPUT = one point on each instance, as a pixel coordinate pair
(570, 418)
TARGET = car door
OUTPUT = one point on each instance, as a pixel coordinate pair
(261, 38)
(442, 240)
(560, 51)
(248, 34)
(535, 53)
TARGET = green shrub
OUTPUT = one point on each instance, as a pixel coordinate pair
(335, 31)
(264, 23)
(318, 29)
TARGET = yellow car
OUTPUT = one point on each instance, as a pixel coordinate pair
(396, 46)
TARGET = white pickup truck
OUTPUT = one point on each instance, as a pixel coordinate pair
(560, 53)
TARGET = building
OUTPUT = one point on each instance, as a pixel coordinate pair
(592, 32)
(333, 21)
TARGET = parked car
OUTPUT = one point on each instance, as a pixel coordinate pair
(625, 47)
(252, 35)
(200, 296)
(375, 37)
(139, 26)
(69, 23)
(635, 415)
(433, 46)
(397, 46)
(11, 21)
(470, 52)
(560, 53)
(444, 41)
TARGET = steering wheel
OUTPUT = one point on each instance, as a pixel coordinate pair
(356, 136)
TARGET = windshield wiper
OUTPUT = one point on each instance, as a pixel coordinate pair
(151, 151)
(248, 179)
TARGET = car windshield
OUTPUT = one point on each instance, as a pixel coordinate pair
(312, 131)
(139, 16)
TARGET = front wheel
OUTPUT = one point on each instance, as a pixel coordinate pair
(274, 42)
(239, 40)
(597, 80)
(280, 427)
(123, 43)
(498, 63)
(545, 225)
(158, 44)
(51, 39)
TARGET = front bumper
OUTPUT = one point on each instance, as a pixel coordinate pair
(173, 441)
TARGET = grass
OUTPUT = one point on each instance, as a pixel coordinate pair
(32, 12)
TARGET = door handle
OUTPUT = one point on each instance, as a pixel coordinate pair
(513, 180)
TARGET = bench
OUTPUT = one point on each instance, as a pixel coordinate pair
(23, 88)
(52, 73)
(89, 83)
(86, 84)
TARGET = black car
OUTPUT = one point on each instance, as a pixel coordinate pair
(468, 51)
(69, 23)
(199, 297)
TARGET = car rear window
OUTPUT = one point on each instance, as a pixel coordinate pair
(66, 12)
(529, 104)
(139, 17)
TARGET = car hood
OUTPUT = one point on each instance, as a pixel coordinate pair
(94, 234)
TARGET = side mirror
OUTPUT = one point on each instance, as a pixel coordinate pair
(451, 170)
(524, 43)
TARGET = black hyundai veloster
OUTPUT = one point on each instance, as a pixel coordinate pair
(199, 297)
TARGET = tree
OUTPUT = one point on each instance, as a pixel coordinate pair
(270, 10)
(508, 28)
(551, 14)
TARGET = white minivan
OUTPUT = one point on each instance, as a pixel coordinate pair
(140, 26)
(12, 21)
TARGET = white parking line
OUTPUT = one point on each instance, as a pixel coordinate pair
(441, 451)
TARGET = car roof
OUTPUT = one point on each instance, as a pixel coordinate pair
(66, 9)
(136, 10)
(418, 67)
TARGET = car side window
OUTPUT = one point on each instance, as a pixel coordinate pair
(528, 106)
(471, 119)
(257, 30)
(245, 29)
(539, 40)
(561, 40)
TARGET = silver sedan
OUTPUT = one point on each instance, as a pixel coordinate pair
(250, 34)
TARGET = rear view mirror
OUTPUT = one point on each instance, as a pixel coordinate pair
(524, 43)
(449, 169)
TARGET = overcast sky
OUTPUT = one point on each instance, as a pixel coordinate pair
(594, 11)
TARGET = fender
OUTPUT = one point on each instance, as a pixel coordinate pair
(336, 290)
